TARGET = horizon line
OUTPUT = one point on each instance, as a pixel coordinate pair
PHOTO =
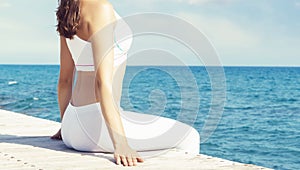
(44, 64)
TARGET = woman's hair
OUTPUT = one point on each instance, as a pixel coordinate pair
(68, 18)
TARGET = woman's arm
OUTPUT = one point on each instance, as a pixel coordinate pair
(101, 27)
(64, 87)
(65, 82)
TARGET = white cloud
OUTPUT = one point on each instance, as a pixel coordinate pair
(22, 42)
(223, 32)
(4, 4)
(24, 38)
(190, 2)
(297, 4)
(245, 44)
(201, 2)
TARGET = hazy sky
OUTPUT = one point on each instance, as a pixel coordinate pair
(252, 32)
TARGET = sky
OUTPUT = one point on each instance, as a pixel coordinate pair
(244, 33)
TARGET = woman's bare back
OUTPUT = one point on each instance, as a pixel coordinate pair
(84, 91)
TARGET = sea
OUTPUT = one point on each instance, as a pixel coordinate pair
(257, 120)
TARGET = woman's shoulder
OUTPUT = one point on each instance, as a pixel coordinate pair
(96, 14)
(95, 10)
(97, 5)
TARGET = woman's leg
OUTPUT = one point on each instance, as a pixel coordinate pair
(148, 132)
(84, 129)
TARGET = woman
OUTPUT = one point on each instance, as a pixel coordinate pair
(92, 119)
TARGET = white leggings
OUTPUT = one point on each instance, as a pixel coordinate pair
(84, 129)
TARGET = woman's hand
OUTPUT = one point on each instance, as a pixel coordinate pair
(127, 156)
(57, 136)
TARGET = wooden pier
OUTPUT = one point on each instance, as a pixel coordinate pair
(25, 144)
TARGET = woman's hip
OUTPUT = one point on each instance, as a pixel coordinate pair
(83, 128)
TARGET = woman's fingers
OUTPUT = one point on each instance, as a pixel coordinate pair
(134, 161)
(118, 159)
(57, 136)
(124, 160)
(140, 159)
(129, 160)
(127, 157)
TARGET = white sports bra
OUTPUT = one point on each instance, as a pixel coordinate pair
(82, 53)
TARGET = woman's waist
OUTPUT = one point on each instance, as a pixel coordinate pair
(83, 98)
(85, 85)
(86, 108)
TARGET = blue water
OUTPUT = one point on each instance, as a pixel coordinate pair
(260, 123)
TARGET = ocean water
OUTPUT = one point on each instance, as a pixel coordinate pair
(260, 123)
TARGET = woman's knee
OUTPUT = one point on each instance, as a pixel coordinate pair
(194, 134)
(192, 138)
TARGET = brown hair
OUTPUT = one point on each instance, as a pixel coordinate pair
(68, 18)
